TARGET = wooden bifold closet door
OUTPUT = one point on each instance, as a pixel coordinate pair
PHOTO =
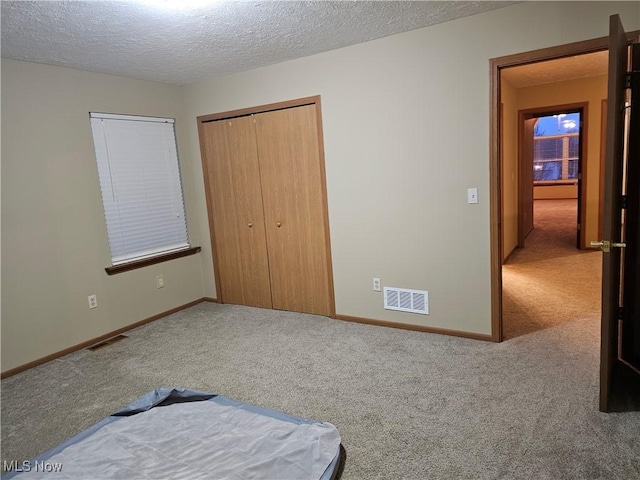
(267, 209)
(236, 210)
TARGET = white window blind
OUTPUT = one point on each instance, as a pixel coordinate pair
(141, 188)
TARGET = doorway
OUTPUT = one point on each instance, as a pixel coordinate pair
(502, 180)
(551, 282)
(620, 247)
(552, 163)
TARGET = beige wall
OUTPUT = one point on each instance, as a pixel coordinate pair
(509, 169)
(54, 241)
(406, 128)
(592, 90)
(406, 122)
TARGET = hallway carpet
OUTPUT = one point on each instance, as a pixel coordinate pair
(550, 282)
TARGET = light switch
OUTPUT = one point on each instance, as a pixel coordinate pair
(472, 195)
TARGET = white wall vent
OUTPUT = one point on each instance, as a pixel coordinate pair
(412, 301)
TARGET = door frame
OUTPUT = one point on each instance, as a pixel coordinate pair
(495, 163)
(526, 159)
(525, 175)
(299, 102)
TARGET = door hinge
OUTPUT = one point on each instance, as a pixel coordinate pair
(623, 202)
(620, 313)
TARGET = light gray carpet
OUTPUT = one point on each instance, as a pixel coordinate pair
(408, 404)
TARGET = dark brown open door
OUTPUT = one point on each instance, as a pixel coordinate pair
(630, 326)
(615, 373)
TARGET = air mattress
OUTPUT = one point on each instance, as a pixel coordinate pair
(173, 433)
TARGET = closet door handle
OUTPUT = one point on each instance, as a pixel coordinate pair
(250, 225)
(278, 224)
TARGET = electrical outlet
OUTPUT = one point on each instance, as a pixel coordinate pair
(376, 284)
(93, 301)
(159, 281)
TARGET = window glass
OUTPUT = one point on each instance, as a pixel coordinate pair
(556, 148)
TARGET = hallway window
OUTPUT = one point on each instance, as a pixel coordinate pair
(556, 149)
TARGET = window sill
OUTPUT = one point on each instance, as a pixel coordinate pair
(125, 267)
(553, 183)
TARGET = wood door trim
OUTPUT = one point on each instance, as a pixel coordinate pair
(524, 157)
(501, 155)
(495, 182)
(259, 109)
(313, 100)
(544, 111)
(559, 51)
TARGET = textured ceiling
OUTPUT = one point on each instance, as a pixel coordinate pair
(551, 71)
(185, 45)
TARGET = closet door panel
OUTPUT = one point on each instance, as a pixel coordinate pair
(293, 196)
(237, 215)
